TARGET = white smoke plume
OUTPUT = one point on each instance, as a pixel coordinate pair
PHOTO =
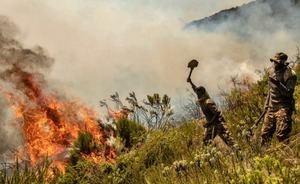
(105, 46)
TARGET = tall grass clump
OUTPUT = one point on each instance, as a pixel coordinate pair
(20, 173)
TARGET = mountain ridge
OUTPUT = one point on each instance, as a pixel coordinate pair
(285, 12)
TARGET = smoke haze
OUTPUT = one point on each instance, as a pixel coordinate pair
(36, 120)
(105, 46)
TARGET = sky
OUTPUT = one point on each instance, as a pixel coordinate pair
(101, 47)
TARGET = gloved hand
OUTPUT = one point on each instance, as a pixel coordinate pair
(274, 81)
(206, 125)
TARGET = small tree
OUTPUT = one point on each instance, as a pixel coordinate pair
(159, 110)
(154, 112)
(138, 110)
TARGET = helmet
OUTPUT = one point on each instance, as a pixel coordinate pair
(280, 58)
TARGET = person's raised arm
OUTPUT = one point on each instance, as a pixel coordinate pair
(189, 80)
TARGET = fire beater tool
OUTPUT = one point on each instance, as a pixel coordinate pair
(192, 64)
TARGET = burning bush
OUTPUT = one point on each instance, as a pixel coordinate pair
(49, 121)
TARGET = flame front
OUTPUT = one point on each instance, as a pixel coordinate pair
(50, 123)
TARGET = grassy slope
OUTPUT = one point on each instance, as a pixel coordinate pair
(176, 155)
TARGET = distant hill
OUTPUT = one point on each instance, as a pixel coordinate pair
(257, 15)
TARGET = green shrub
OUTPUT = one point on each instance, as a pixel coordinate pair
(130, 132)
(85, 143)
(83, 171)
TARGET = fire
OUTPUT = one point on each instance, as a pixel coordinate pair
(50, 122)
(118, 115)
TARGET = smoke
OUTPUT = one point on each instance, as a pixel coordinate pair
(36, 120)
(12, 52)
(13, 57)
(105, 46)
(10, 132)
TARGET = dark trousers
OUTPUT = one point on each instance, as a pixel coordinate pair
(279, 121)
(219, 129)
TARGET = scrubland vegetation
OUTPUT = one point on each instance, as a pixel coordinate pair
(174, 153)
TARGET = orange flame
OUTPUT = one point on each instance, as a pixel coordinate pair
(50, 123)
(118, 115)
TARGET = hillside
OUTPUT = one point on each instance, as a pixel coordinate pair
(176, 155)
(142, 143)
(264, 15)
